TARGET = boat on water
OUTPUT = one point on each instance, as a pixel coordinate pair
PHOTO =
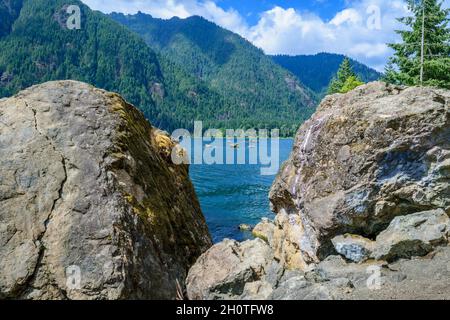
(234, 145)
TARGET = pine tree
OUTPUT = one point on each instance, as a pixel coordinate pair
(390, 73)
(345, 80)
(407, 58)
(351, 83)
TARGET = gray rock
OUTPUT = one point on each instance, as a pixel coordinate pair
(225, 269)
(292, 289)
(298, 288)
(413, 235)
(274, 273)
(335, 267)
(416, 278)
(353, 247)
(288, 274)
(91, 206)
(365, 157)
(420, 278)
(259, 290)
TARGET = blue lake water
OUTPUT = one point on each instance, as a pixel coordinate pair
(234, 194)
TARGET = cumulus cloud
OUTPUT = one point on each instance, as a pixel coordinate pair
(360, 31)
(350, 16)
(166, 9)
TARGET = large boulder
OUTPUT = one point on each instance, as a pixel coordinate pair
(91, 206)
(413, 235)
(224, 270)
(364, 158)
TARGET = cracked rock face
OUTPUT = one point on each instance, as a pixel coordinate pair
(91, 206)
(363, 159)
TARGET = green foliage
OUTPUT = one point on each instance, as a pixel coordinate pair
(407, 57)
(9, 10)
(253, 91)
(390, 73)
(201, 71)
(37, 47)
(317, 71)
(40, 48)
(345, 79)
(351, 83)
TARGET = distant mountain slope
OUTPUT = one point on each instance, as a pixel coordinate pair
(316, 71)
(36, 46)
(260, 92)
(39, 47)
(9, 10)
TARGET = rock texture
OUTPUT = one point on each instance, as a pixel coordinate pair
(337, 279)
(413, 235)
(91, 207)
(363, 159)
(264, 230)
(225, 269)
(353, 247)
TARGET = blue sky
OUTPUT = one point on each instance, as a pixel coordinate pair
(357, 28)
(251, 9)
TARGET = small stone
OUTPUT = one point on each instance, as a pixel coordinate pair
(245, 227)
(259, 290)
(274, 273)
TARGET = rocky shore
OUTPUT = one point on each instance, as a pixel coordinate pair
(92, 207)
(362, 207)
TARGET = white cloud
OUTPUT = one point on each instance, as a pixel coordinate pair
(166, 9)
(350, 16)
(354, 31)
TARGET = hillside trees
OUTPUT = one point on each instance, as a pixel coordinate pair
(345, 79)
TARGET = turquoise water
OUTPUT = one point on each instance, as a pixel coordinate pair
(234, 194)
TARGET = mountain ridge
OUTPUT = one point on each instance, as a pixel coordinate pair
(316, 71)
(263, 94)
(37, 47)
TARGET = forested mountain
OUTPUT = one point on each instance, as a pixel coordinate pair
(316, 71)
(9, 10)
(260, 92)
(36, 46)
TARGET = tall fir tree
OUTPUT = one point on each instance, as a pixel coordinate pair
(345, 80)
(390, 73)
(431, 18)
